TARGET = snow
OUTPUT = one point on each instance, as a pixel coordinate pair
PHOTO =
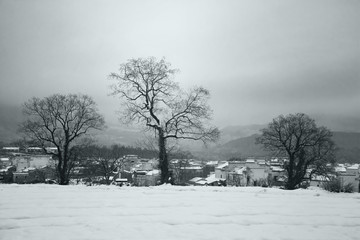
(153, 172)
(171, 212)
(221, 166)
(354, 167)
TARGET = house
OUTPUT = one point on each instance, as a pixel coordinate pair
(197, 181)
(183, 170)
(209, 167)
(221, 170)
(212, 180)
(121, 181)
(5, 161)
(258, 171)
(53, 150)
(33, 161)
(6, 174)
(33, 168)
(237, 177)
(146, 178)
(349, 175)
(34, 150)
(243, 173)
(318, 181)
(29, 175)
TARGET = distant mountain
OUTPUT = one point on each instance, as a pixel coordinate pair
(348, 145)
(117, 134)
(10, 118)
(236, 141)
(243, 147)
(234, 132)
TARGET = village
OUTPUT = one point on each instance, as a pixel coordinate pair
(33, 166)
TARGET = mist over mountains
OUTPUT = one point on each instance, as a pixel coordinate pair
(236, 141)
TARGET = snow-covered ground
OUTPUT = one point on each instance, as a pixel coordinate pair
(169, 212)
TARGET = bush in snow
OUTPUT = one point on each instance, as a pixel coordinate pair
(335, 185)
(348, 188)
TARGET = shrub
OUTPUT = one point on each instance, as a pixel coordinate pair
(304, 185)
(334, 185)
(262, 182)
(348, 188)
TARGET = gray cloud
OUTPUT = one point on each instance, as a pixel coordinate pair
(258, 58)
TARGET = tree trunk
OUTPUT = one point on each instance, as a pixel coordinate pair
(163, 158)
(63, 177)
(62, 171)
(290, 183)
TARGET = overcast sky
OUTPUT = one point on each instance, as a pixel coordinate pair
(259, 59)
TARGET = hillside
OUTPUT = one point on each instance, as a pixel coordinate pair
(236, 141)
(10, 117)
(348, 145)
(242, 147)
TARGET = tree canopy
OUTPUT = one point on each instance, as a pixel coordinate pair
(151, 98)
(59, 120)
(309, 148)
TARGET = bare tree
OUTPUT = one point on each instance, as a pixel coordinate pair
(106, 160)
(60, 120)
(307, 146)
(152, 99)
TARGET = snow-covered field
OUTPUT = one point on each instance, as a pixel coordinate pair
(169, 212)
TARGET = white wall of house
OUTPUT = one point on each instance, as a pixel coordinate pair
(351, 176)
(34, 161)
(259, 173)
(221, 173)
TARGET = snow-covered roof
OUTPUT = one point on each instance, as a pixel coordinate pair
(34, 148)
(4, 159)
(340, 169)
(195, 179)
(11, 148)
(192, 168)
(240, 170)
(212, 179)
(29, 169)
(153, 172)
(276, 169)
(222, 165)
(354, 167)
(250, 160)
(202, 182)
(261, 162)
(121, 180)
(5, 169)
(319, 178)
(212, 163)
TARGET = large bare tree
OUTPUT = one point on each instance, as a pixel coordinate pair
(307, 146)
(152, 99)
(61, 120)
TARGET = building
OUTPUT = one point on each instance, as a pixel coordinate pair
(349, 175)
(11, 149)
(222, 170)
(237, 177)
(146, 178)
(257, 171)
(32, 161)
